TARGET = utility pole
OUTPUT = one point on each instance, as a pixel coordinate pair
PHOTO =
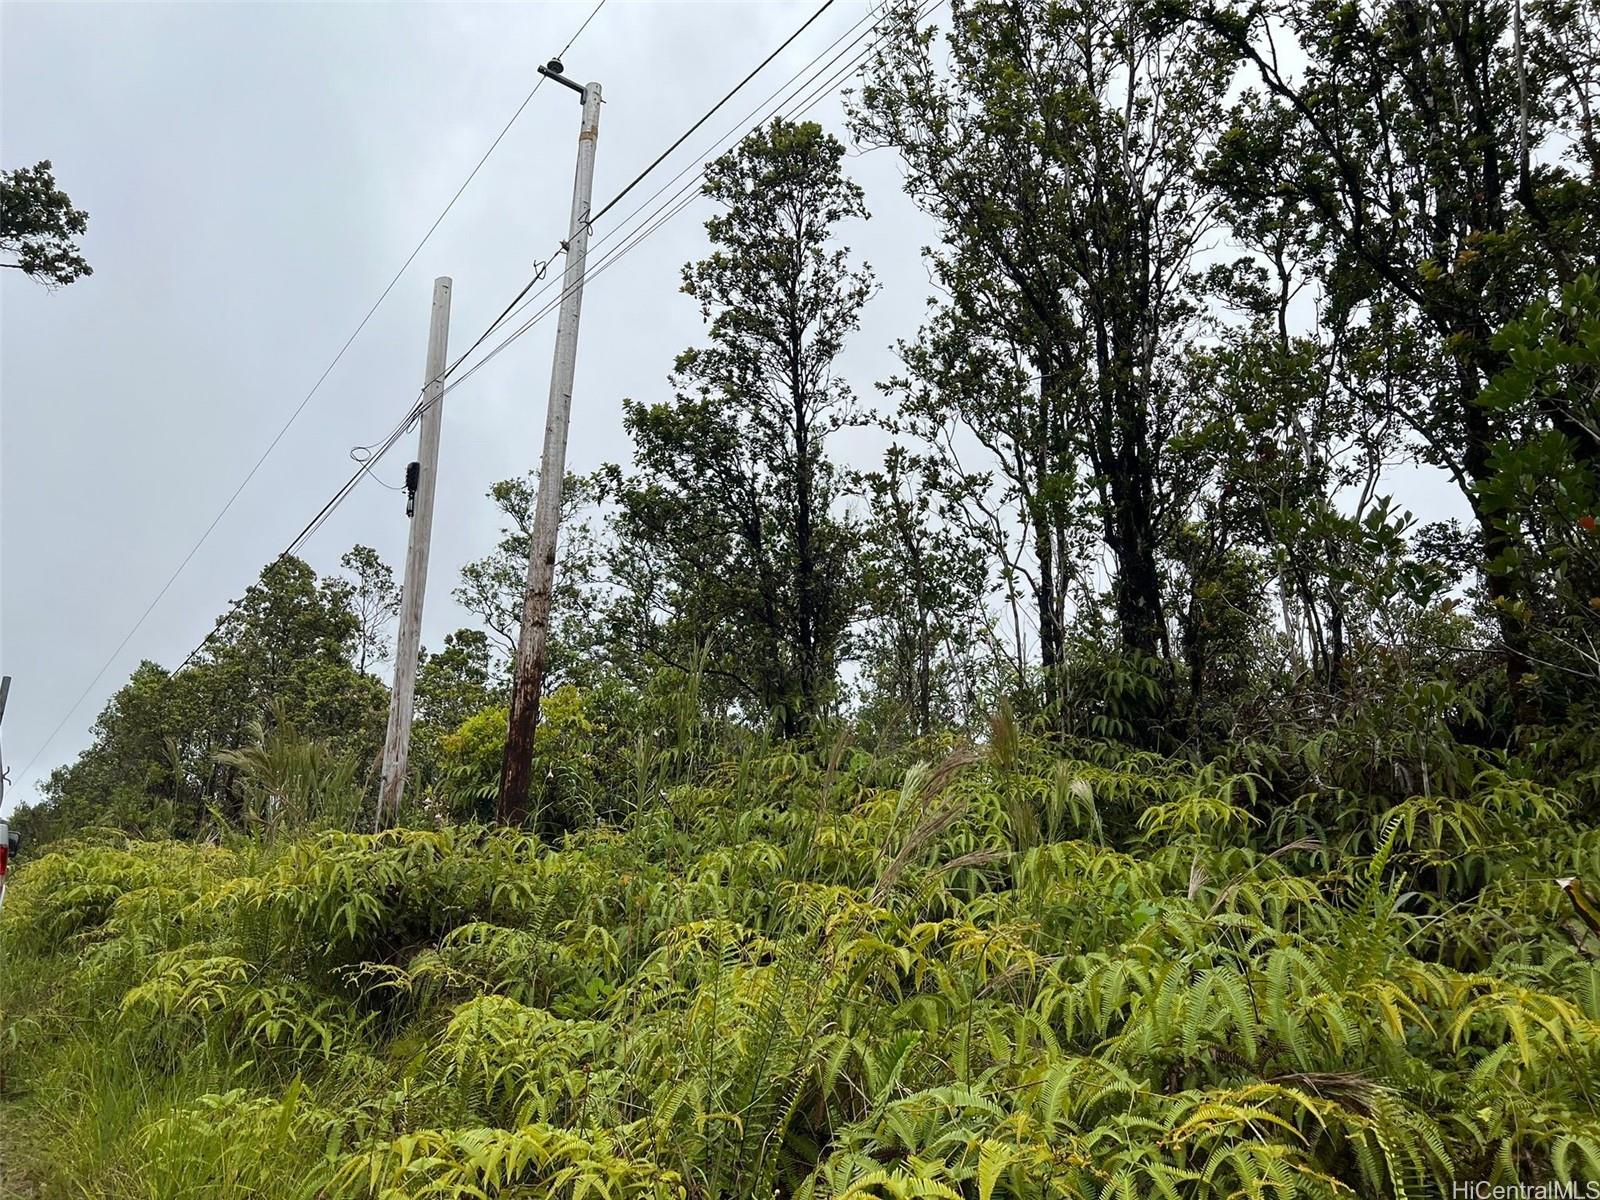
(5, 691)
(7, 848)
(421, 478)
(528, 676)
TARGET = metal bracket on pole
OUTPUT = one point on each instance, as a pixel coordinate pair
(552, 70)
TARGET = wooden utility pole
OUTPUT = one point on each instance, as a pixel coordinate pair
(528, 677)
(408, 641)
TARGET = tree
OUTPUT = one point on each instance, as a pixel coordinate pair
(493, 587)
(734, 497)
(1408, 140)
(374, 601)
(1059, 154)
(923, 585)
(281, 653)
(38, 225)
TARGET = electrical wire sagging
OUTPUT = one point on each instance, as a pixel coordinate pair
(798, 101)
(294, 415)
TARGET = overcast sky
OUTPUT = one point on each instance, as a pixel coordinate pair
(254, 175)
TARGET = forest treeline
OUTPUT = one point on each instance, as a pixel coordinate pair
(1208, 280)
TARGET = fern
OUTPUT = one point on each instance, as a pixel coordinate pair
(1009, 976)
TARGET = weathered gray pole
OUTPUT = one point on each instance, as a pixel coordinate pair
(5, 830)
(528, 675)
(5, 690)
(408, 641)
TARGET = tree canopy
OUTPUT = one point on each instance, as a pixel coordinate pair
(39, 227)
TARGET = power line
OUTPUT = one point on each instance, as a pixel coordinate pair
(662, 214)
(298, 409)
(577, 33)
(376, 451)
(685, 194)
(674, 204)
(711, 112)
(517, 303)
(679, 200)
(670, 208)
(543, 267)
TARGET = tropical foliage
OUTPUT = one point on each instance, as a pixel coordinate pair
(1091, 782)
(1029, 971)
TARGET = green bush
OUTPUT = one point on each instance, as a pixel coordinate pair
(1001, 974)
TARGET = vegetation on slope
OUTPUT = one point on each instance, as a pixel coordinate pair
(1013, 973)
(1253, 890)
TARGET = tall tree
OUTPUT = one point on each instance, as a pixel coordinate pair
(39, 226)
(734, 496)
(1415, 135)
(1059, 154)
(923, 585)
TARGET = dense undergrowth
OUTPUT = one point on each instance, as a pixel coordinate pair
(1004, 973)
